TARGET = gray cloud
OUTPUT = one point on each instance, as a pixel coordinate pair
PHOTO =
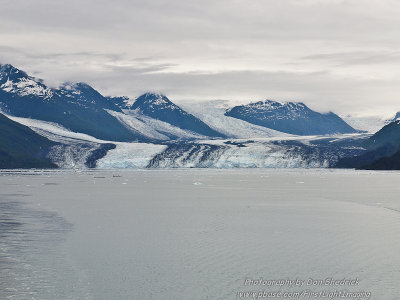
(339, 55)
(357, 57)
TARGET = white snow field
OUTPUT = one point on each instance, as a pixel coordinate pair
(370, 124)
(198, 234)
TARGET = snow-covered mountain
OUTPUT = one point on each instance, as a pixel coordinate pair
(382, 150)
(213, 114)
(154, 129)
(159, 107)
(17, 82)
(87, 129)
(290, 117)
(77, 107)
(82, 94)
(80, 108)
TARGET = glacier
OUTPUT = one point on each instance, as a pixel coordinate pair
(79, 151)
(130, 156)
(309, 152)
(151, 128)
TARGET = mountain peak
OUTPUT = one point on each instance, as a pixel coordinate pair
(159, 107)
(8, 71)
(270, 109)
(7, 68)
(153, 98)
(396, 117)
(153, 95)
(15, 81)
(83, 94)
(273, 105)
(75, 86)
(153, 102)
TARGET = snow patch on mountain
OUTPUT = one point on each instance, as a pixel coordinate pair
(26, 87)
(294, 110)
(15, 81)
(154, 102)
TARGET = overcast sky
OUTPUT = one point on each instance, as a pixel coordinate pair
(331, 54)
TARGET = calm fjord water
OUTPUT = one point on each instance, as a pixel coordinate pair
(196, 234)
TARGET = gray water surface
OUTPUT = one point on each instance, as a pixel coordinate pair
(196, 234)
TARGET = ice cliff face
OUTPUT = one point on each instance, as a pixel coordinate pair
(267, 153)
